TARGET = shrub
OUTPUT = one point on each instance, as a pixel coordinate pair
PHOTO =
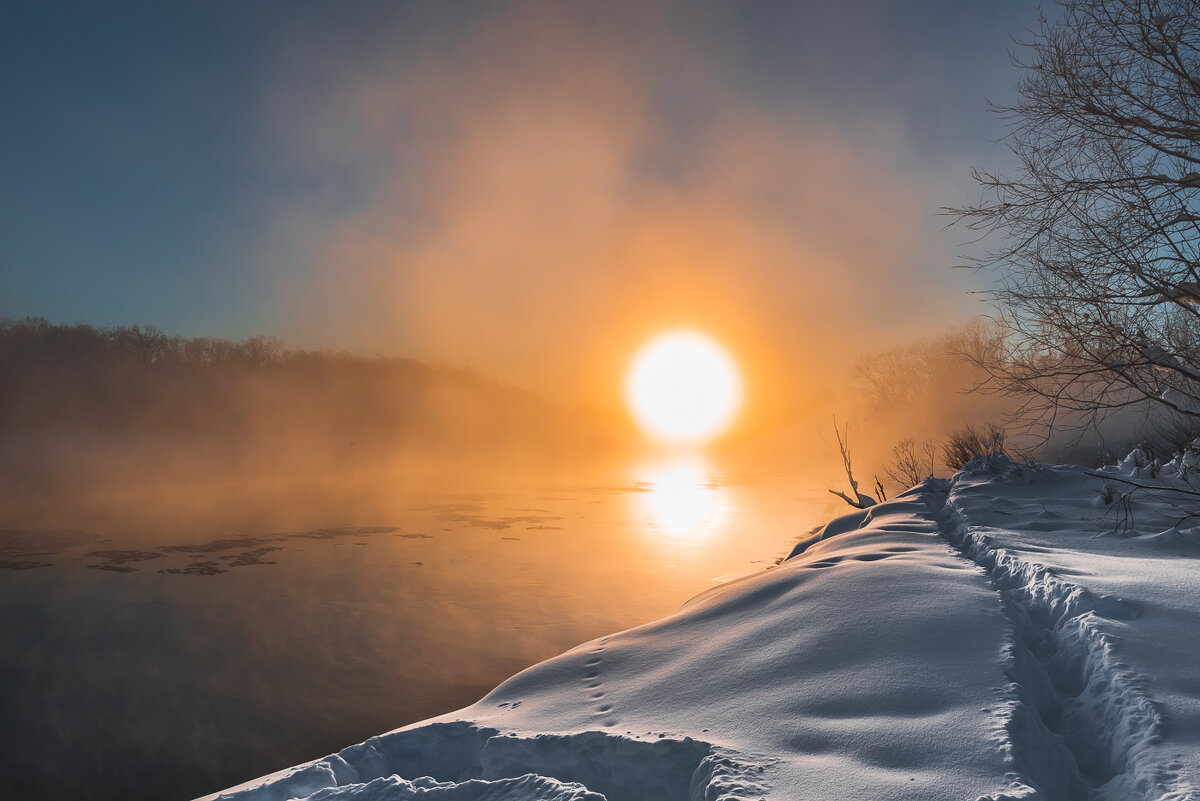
(968, 442)
(910, 465)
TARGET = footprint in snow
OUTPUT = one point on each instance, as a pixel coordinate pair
(591, 678)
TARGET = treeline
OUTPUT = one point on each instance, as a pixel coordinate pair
(909, 400)
(927, 407)
(131, 380)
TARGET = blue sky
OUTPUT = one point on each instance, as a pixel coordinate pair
(496, 184)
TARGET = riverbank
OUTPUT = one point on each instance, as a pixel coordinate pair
(1013, 632)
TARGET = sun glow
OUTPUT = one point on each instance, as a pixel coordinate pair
(680, 498)
(683, 387)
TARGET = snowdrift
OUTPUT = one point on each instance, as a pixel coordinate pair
(1016, 632)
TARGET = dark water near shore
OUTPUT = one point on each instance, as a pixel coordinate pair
(152, 654)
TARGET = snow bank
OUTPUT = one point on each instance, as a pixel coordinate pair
(973, 639)
(1103, 625)
(1081, 721)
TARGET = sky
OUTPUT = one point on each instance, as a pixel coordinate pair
(529, 189)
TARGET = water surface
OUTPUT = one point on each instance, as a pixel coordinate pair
(162, 651)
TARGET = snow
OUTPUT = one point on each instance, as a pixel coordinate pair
(1015, 632)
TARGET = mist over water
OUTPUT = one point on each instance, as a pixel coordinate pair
(164, 654)
(221, 558)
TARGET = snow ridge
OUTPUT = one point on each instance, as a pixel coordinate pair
(461, 761)
(1080, 726)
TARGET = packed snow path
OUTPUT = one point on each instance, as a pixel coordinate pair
(1103, 596)
(973, 639)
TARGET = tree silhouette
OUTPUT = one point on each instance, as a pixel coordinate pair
(1096, 238)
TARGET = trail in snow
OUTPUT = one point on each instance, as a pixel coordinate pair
(1081, 724)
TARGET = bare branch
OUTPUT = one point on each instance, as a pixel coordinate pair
(1096, 237)
(859, 501)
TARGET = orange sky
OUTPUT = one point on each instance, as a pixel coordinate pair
(527, 188)
(545, 212)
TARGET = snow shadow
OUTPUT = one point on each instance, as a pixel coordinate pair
(466, 761)
(1080, 725)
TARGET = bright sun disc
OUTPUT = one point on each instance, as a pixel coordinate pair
(683, 387)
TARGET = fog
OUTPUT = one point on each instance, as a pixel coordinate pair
(547, 189)
(219, 557)
(532, 192)
(528, 192)
(130, 422)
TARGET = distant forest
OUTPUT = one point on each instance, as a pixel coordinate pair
(138, 382)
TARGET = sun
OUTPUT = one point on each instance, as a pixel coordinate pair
(683, 387)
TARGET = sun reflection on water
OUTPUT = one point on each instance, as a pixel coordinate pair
(680, 498)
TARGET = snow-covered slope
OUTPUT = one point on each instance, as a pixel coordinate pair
(1016, 632)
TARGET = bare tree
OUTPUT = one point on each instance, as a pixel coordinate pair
(856, 499)
(1096, 238)
(924, 374)
(145, 342)
(910, 465)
